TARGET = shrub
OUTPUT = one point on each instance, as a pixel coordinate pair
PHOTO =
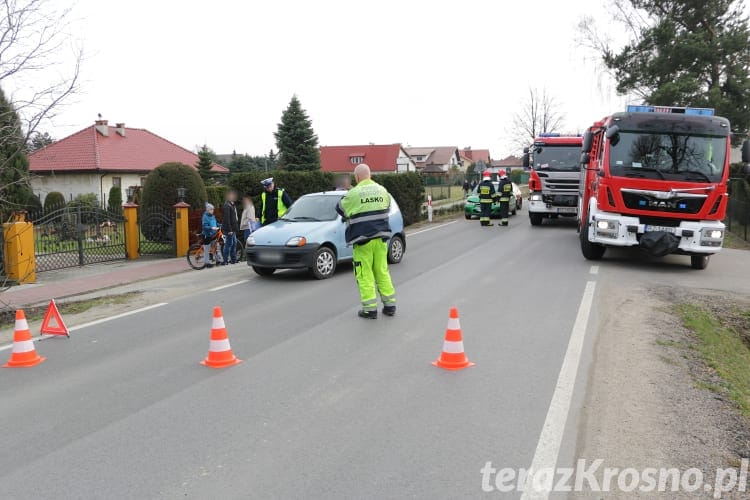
(216, 195)
(85, 201)
(408, 191)
(53, 201)
(516, 176)
(160, 188)
(114, 202)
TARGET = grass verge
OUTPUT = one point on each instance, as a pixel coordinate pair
(731, 240)
(723, 349)
(7, 317)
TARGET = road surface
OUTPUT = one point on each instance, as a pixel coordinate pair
(326, 405)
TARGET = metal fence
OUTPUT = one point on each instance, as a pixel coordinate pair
(74, 236)
(738, 209)
(157, 231)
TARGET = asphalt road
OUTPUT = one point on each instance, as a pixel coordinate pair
(325, 405)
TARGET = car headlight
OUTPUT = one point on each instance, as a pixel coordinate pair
(607, 226)
(296, 241)
(250, 241)
(536, 197)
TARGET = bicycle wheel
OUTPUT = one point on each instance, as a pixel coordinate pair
(240, 250)
(195, 256)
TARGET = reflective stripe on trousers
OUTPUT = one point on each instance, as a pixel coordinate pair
(371, 272)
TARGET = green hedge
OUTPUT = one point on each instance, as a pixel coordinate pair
(216, 195)
(407, 188)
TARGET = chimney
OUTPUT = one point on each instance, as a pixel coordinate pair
(120, 128)
(101, 126)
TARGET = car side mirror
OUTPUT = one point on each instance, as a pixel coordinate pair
(746, 153)
(526, 161)
(613, 134)
(588, 141)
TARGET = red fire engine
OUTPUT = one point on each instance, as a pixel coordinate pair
(655, 177)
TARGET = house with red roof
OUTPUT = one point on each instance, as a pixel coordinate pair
(509, 163)
(436, 160)
(381, 158)
(101, 156)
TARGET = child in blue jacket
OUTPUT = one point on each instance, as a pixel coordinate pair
(210, 228)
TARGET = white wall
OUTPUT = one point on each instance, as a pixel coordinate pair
(404, 163)
(73, 184)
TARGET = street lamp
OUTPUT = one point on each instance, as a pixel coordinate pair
(130, 192)
(181, 194)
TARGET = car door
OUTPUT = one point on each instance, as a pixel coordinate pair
(338, 238)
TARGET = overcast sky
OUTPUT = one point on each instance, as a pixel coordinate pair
(422, 73)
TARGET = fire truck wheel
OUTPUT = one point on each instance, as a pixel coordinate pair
(535, 219)
(699, 261)
(592, 251)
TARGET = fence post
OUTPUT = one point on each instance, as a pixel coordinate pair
(79, 236)
(18, 254)
(132, 234)
(182, 229)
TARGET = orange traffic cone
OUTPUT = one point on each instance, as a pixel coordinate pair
(220, 353)
(453, 356)
(23, 354)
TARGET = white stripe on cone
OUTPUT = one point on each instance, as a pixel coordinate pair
(218, 323)
(219, 345)
(453, 324)
(21, 324)
(453, 347)
(23, 346)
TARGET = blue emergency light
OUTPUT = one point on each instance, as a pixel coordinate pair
(637, 108)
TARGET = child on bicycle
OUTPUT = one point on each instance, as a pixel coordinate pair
(209, 230)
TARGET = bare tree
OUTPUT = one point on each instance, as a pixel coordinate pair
(40, 65)
(538, 113)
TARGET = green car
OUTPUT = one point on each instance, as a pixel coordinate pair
(472, 208)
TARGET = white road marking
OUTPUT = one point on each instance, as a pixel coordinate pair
(228, 285)
(430, 228)
(594, 270)
(94, 323)
(550, 439)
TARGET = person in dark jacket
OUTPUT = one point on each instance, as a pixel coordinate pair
(230, 226)
(504, 190)
(274, 202)
(487, 196)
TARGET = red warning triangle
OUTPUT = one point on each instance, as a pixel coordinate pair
(53, 323)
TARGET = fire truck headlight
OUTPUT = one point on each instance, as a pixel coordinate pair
(606, 224)
(608, 228)
(712, 237)
(715, 234)
(536, 197)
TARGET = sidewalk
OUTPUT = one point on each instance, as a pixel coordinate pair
(81, 280)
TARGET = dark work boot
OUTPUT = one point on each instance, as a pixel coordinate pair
(389, 310)
(368, 314)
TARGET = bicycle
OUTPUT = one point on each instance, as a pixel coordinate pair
(196, 257)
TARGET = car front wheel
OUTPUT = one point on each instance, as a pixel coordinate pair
(396, 250)
(324, 263)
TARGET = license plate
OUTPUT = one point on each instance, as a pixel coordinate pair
(270, 257)
(663, 229)
(566, 210)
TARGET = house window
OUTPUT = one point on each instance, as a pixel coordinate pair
(143, 181)
(356, 160)
(116, 182)
(419, 158)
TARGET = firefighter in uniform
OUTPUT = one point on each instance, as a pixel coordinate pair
(366, 207)
(275, 202)
(487, 195)
(504, 190)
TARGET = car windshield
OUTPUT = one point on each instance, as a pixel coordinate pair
(557, 158)
(668, 156)
(313, 208)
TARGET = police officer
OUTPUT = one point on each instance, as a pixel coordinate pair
(504, 190)
(274, 202)
(487, 195)
(366, 207)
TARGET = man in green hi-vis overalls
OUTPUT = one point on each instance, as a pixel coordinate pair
(366, 207)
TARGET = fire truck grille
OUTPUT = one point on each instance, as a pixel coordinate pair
(564, 185)
(640, 201)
